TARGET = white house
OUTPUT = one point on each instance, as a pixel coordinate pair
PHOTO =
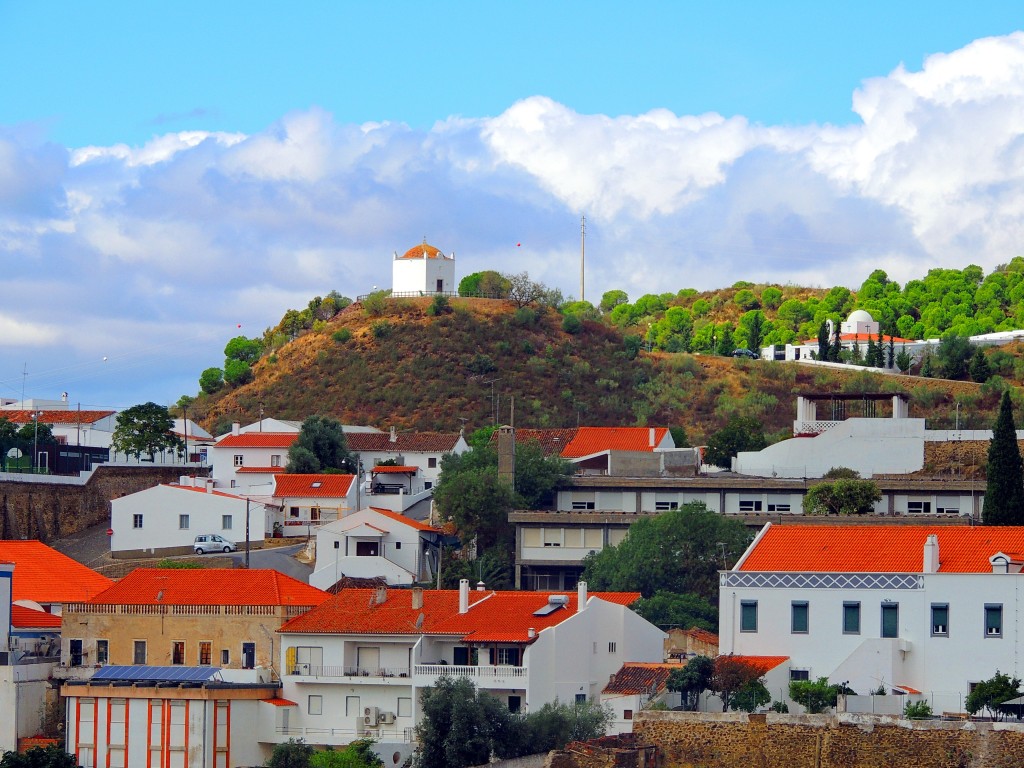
(356, 664)
(422, 450)
(165, 519)
(248, 461)
(423, 270)
(309, 501)
(375, 542)
(923, 610)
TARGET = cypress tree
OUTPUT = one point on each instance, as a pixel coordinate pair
(823, 341)
(1004, 492)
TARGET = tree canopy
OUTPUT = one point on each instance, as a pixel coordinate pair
(741, 433)
(1004, 491)
(39, 757)
(678, 551)
(692, 680)
(321, 446)
(844, 496)
(990, 694)
(145, 430)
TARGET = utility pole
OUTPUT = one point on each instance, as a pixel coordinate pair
(583, 251)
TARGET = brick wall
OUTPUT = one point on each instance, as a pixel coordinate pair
(47, 509)
(738, 740)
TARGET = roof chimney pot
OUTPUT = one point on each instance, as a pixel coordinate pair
(463, 595)
(236, 428)
(931, 554)
(417, 598)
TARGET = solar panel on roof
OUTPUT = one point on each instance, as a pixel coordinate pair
(157, 674)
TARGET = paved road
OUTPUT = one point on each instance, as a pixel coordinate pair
(278, 558)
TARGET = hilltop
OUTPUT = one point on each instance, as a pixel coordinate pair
(405, 367)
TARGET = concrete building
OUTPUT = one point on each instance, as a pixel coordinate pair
(375, 543)
(422, 450)
(923, 610)
(305, 502)
(423, 270)
(355, 666)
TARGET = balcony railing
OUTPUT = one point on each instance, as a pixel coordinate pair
(482, 672)
(309, 670)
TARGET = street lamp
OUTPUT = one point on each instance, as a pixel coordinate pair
(35, 439)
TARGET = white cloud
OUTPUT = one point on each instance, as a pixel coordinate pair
(15, 332)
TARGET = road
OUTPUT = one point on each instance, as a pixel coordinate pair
(279, 558)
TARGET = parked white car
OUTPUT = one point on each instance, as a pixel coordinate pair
(211, 542)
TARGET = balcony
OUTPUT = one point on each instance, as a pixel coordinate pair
(483, 676)
(340, 736)
(350, 674)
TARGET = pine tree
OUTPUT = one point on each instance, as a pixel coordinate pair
(979, 369)
(1004, 493)
(837, 343)
(879, 361)
(823, 343)
(892, 352)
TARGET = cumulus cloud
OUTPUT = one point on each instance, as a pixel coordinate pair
(195, 233)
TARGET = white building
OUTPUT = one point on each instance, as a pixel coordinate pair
(923, 610)
(355, 665)
(422, 450)
(307, 502)
(423, 270)
(165, 519)
(248, 461)
(372, 543)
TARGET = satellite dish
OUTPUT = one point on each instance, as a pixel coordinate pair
(14, 453)
(419, 622)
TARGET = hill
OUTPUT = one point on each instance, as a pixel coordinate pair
(405, 367)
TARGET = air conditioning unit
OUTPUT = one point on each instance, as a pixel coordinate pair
(387, 717)
(371, 717)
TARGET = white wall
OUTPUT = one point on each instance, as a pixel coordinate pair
(421, 275)
(331, 561)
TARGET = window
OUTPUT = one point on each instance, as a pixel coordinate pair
(75, 649)
(515, 704)
(993, 620)
(890, 620)
(183, 522)
(611, 647)
(750, 505)
(665, 506)
(225, 522)
(919, 507)
(508, 656)
(940, 620)
(205, 653)
(102, 651)
(275, 460)
(851, 618)
(427, 485)
(366, 549)
(580, 505)
(432, 462)
(581, 698)
(799, 674)
(293, 511)
(748, 616)
(178, 652)
(404, 708)
(460, 656)
(225, 657)
(238, 460)
(314, 514)
(799, 617)
(139, 654)
(552, 537)
(779, 508)
(315, 705)
(136, 521)
(248, 655)
(627, 714)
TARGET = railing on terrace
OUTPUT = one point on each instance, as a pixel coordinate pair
(315, 735)
(309, 670)
(813, 427)
(483, 672)
(188, 610)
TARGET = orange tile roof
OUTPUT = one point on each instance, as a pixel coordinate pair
(260, 470)
(423, 251)
(493, 617)
(390, 470)
(585, 441)
(864, 337)
(762, 664)
(44, 575)
(209, 586)
(61, 417)
(259, 440)
(397, 516)
(421, 442)
(279, 702)
(634, 679)
(880, 548)
(30, 618)
(318, 485)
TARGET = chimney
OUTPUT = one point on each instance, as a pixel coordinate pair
(531, 633)
(463, 595)
(394, 435)
(417, 598)
(581, 596)
(931, 554)
(381, 595)
(236, 428)
(480, 586)
(507, 454)
(209, 486)
(650, 437)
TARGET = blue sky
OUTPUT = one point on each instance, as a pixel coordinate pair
(172, 175)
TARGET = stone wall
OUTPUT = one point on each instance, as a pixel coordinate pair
(738, 740)
(47, 508)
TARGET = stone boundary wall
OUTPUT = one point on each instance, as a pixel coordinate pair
(739, 740)
(38, 508)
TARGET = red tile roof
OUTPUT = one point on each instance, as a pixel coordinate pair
(260, 470)
(61, 417)
(278, 702)
(389, 470)
(762, 664)
(30, 618)
(493, 617)
(318, 485)
(44, 575)
(880, 548)
(423, 251)
(398, 517)
(422, 442)
(585, 441)
(259, 440)
(633, 679)
(864, 337)
(209, 586)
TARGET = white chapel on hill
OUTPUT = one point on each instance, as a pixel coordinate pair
(423, 270)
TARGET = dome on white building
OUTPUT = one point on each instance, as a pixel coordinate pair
(860, 316)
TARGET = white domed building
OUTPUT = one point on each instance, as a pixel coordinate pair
(423, 270)
(857, 330)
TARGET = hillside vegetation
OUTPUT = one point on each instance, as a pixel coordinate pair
(414, 364)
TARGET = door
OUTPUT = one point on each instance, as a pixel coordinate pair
(368, 660)
(440, 285)
(248, 655)
(76, 653)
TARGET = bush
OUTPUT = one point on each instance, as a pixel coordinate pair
(439, 306)
(525, 317)
(381, 329)
(917, 710)
(572, 324)
(342, 335)
(376, 304)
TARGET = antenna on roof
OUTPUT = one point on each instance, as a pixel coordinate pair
(419, 621)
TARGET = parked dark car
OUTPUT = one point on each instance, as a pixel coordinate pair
(746, 353)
